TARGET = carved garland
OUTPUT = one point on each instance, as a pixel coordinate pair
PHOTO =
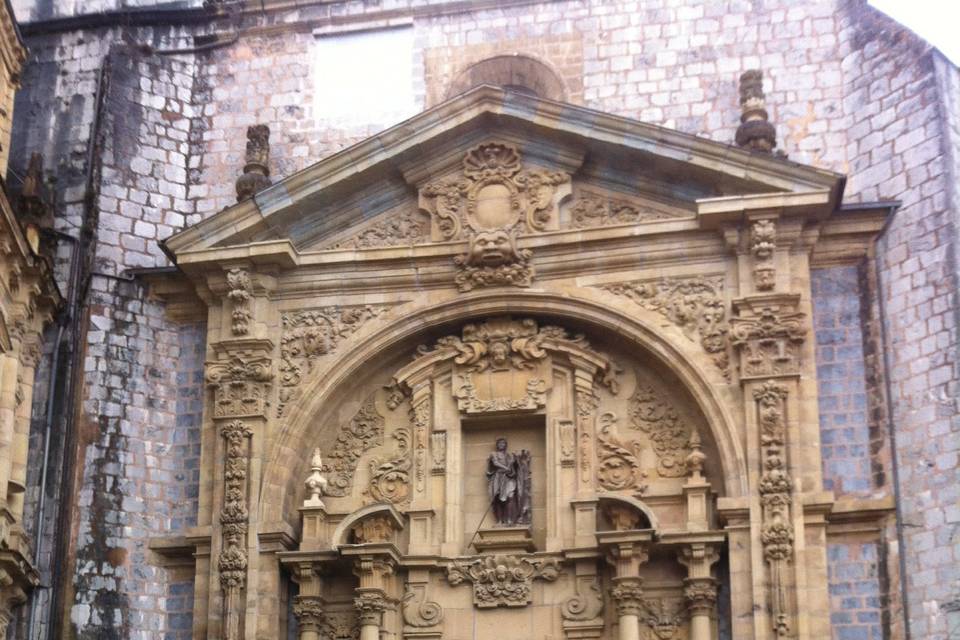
(775, 491)
(308, 335)
(232, 562)
(696, 305)
(502, 580)
(240, 293)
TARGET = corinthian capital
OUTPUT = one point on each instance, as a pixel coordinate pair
(701, 594)
(627, 594)
(308, 611)
(370, 606)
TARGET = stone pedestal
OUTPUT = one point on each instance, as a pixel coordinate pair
(504, 540)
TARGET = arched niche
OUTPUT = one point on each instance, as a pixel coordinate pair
(385, 343)
(519, 72)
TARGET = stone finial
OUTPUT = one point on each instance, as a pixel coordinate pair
(755, 131)
(256, 172)
(697, 457)
(316, 483)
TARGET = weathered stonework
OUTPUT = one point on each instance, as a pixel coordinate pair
(718, 272)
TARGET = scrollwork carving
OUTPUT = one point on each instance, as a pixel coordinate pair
(363, 432)
(619, 461)
(502, 580)
(696, 305)
(418, 611)
(239, 386)
(468, 401)
(390, 479)
(586, 603)
(310, 334)
(593, 210)
(768, 342)
(655, 416)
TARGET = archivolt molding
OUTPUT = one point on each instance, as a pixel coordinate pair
(401, 325)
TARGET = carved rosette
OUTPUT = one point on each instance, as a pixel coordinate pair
(695, 305)
(776, 533)
(493, 201)
(768, 341)
(370, 606)
(627, 595)
(240, 294)
(311, 334)
(240, 386)
(308, 610)
(502, 580)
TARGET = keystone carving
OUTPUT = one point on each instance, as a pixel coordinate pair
(502, 580)
(308, 335)
(363, 432)
(651, 413)
(696, 305)
(593, 210)
(493, 260)
(619, 461)
(239, 386)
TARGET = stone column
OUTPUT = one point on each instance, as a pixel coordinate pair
(308, 611)
(627, 594)
(370, 605)
(700, 587)
(701, 595)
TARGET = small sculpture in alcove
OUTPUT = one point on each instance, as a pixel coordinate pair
(508, 485)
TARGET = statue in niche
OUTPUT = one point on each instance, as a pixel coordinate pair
(508, 484)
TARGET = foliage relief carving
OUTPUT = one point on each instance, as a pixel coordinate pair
(653, 414)
(502, 580)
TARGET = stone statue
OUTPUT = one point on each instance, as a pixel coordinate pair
(508, 485)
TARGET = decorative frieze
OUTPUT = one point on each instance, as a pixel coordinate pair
(653, 414)
(406, 228)
(594, 210)
(502, 580)
(695, 305)
(310, 334)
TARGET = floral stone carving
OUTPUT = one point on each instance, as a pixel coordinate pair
(308, 335)
(240, 293)
(696, 305)
(402, 229)
(362, 433)
(654, 415)
(502, 580)
(593, 210)
(390, 478)
(619, 461)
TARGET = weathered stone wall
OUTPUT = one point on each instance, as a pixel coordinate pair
(847, 89)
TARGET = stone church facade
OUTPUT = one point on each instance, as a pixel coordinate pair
(640, 324)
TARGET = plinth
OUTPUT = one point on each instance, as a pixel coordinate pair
(504, 540)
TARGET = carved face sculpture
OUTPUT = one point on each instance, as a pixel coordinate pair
(499, 355)
(501, 444)
(491, 248)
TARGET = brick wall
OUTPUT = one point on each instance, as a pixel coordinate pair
(857, 591)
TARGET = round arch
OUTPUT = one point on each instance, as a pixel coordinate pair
(518, 71)
(402, 324)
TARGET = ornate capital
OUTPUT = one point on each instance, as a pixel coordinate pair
(240, 386)
(767, 337)
(627, 594)
(370, 606)
(701, 594)
(308, 610)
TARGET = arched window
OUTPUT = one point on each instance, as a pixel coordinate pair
(516, 72)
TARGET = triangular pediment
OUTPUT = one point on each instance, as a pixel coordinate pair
(564, 167)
